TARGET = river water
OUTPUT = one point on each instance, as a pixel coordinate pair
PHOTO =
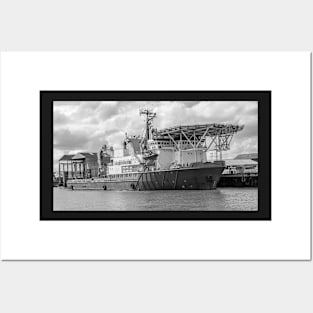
(221, 199)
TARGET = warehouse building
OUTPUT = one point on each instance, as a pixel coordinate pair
(240, 166)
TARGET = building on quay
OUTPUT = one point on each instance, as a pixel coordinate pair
(79, 165)
(240, 166)
(240, 171)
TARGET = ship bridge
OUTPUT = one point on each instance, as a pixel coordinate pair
(206, 136)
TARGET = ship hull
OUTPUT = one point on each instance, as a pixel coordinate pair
(180, 179)
(205, 177)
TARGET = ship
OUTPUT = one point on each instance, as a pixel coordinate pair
(174, 158)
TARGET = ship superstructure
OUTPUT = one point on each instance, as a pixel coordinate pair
(170, 158)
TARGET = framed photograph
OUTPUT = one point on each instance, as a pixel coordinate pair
(155, 155)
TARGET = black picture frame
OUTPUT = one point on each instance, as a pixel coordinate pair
(46, 153)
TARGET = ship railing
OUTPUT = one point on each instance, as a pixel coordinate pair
(100, 179)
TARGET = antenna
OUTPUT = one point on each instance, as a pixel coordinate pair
(149, 117)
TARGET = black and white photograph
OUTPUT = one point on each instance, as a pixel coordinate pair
(155, 156)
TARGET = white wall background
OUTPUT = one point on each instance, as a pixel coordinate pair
(151, 286)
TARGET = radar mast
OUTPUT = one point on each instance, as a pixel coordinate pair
(149, 117)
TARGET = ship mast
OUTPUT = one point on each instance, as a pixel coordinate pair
(149, 117)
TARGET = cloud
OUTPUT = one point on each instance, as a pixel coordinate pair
(67, 140)
(60, 118)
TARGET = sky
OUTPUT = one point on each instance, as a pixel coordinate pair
(84, 126)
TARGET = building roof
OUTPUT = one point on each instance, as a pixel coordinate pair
(79, 156)
(240, 162)
(85, 155)
(89, 153)
(247, 156)
(66, 157)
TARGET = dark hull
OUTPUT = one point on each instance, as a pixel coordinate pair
(181, 179)
(197, 178)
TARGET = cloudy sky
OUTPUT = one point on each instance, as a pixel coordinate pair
(85, 126)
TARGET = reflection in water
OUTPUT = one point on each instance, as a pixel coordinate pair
(222, 199)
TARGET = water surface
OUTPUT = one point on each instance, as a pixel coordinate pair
(221, 199)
